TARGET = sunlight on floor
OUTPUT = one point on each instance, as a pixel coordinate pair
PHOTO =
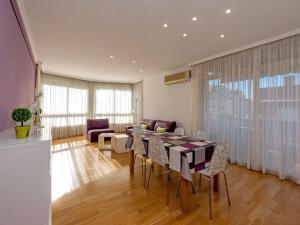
(77, 163)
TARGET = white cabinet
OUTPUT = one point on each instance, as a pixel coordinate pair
(25, 180)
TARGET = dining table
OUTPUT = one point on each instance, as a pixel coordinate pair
(187, 155)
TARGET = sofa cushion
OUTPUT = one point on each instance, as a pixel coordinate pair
(100, 131)
(92, 124)
(145, 126)
(92, 135)
(150, 123)
(161, 130)
(170, 126)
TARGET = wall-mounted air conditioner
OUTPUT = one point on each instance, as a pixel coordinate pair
(178, 77)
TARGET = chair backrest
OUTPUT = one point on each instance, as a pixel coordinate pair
(179, 131)
(218, 161)
(200, 134)
(139, 147)
(157, 151)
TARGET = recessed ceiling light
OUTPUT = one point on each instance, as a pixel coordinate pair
(184, 34)
(165, 25)
(222, 35)
(111, 56)
(194, 18)
(134, 62)
(228, 11)
(141, 71)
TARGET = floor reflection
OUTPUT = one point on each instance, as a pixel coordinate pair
(107, 154)
(76, 162)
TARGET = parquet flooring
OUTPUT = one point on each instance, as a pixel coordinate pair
(95, 187)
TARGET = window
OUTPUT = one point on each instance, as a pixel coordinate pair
(64, 106)
(114, 104)
(104, 101)
(252, 104)
(77, 101)
(55, 100)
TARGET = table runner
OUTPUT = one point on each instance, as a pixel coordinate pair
(186, 154)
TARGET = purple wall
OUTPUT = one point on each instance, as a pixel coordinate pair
(17, 70)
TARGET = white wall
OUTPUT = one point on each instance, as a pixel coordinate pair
(168, 102)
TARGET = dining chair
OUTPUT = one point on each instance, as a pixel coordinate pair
(192, 184)
(216, 166)
(158, 154)
(200, 134)
(179, 131)
(139, 149)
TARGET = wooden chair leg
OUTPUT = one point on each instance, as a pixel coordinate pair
(151, 168)
(177, 194)
(226, 188)
(209, 193)
(200, 179)
(168, 186)
(145, 172)
(134, 159)
(193, 186)
(142, 166)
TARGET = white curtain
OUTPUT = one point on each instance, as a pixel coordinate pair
(115, 103)
(251, 101)
(65, 105)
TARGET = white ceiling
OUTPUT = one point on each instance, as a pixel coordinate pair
(76, 37)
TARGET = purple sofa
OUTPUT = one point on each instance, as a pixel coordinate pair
(94, 127)
(153, 124)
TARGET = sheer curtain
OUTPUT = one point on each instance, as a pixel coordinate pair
(251, 101)
(115, 103)
(65, 105)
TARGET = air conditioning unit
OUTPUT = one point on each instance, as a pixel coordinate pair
(178, 77)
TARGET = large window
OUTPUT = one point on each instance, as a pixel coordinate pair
(114, 104)
(67, 104)
(64, 106)
(252, 104)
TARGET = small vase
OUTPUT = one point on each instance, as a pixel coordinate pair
(37, 120)
(22, 131)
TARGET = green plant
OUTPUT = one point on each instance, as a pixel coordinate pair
(21, 115)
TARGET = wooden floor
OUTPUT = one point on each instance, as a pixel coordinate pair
(94, 187)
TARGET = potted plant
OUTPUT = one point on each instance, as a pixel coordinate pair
(21, 115)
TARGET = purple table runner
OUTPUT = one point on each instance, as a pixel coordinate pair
(186, 154)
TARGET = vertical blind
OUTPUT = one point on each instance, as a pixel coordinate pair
(251, 102)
